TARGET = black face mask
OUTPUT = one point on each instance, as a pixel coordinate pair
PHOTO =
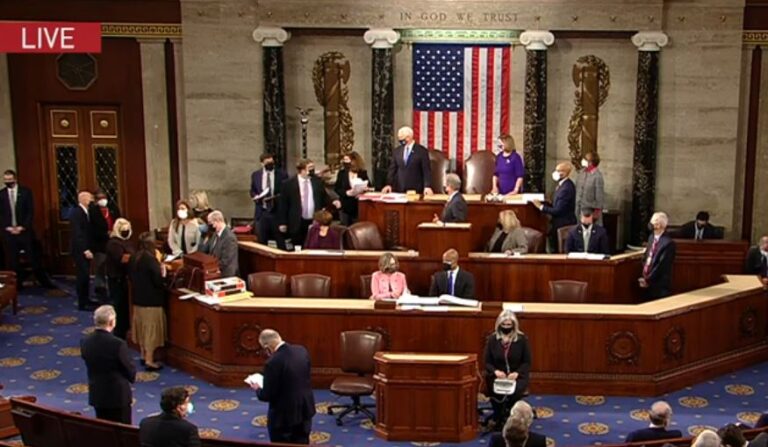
(506, 330)
(10, 184)
(269, 166)
(447, 266)
(402, 142)
(650, 227)
(499, 226)
(125, 234)
(311, 172)
(346, 165)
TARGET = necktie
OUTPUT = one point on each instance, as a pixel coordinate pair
(647, 266)
(215, 241)
(12, 198)
(268, 203)
(764, 266)
(586, 233)
(699, 234)
(305, 212)
(407, 154)
(450, 282)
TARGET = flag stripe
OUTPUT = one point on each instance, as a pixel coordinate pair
(490, 128)
(482, 96)
(446, 131)
(454, 135)
(468, 106)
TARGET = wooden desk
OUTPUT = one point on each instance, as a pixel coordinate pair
(644, 349)
(512, 278)
(398, 221)
(435, 238)
(701, 263)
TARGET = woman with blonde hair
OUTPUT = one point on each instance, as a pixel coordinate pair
(510, 170)
(388, 282)
(118, 251)
(508, 237)
(201, 208)
(148, 327)
(507, 356)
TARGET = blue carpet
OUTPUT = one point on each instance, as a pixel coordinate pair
(41, 356)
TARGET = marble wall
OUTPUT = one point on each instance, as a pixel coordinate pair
(760, 216)
(7, 153)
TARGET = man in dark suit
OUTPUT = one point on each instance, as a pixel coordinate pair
(757, 261)
(588, 237)
(409, 168)
(455, 209)
(81, 249)
(170, 428)
(17, 228)
(563, 206)
(265, 190)
(453, 280)
(103, 214)
(523, 414)
(223, 245)
(732, 436)
(110, 369)
(658, 260)
(700, 228)
(287, 388)
(660, 416)
(300, 196)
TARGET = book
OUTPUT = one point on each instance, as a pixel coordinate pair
(590, 256)
(413, 300)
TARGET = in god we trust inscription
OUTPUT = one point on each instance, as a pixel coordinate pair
(460, 17)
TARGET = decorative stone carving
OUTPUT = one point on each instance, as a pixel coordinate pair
(537, 40)
(593, 82)
(246, 340)
(381, 38)
(535, 120)
(623, 347)
(674, 343)
(392, 228)
(650, 40)
(271, 36)
(748, 322)
(203, 334)
(330, 77)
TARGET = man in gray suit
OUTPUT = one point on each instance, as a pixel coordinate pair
(223, 245)
(455, 209)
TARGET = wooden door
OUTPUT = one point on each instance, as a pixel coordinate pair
(84, 151)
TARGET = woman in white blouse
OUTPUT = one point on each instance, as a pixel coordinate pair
(183, 232)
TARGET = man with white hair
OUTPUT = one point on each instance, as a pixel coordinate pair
(81, 248)
(658, 259)
(707, 438)
(523, 412)
(223, 245)
(660, 417)
(456, 209)
(110, 369)
(409, 168)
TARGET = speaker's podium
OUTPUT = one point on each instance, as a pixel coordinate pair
(426, 397)
(436, 238)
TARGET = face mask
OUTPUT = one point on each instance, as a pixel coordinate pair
(203, 228)
(183, 214)
(10, 184)
(311, 172)
(269, 166)
(346, 164)
(125, 234)
(556, 176)
(445, 190)
(402, 142)
(584, 163)
(650, 227)
(506, 330)
(190, 408)
(447, 266)
(102, 202)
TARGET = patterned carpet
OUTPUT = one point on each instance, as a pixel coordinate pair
(40, 355)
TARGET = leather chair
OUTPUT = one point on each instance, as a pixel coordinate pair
(9, 294)
(535, 240)
(439, 164)
(341, 230)
(566, 291)
(364, 236)
(268, 284)
(310, 285)
(365, 286)
(357, 350)
(478, 177)
(562, 235)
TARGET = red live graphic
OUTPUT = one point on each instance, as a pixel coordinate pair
(50, 37)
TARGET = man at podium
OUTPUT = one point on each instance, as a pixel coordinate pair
(452, 280)
(456, 209)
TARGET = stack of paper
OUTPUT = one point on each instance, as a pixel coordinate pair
(255, 379)
(590, 256)
(359, 186)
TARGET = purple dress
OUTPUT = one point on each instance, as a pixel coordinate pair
(331, 240)
(508, 170)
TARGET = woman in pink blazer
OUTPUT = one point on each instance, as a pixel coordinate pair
(388, 283)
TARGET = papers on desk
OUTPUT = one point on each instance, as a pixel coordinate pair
(589, 256)
(413, 300)
(322, 252)
(214, 300)
(425, 308)
(394, 197)
(522, 199)
(255, 379)
(172, 257)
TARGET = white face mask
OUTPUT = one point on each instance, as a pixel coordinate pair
(556, 176)
(584, 163)
(102, 202)
(183, 214)
(190, 408)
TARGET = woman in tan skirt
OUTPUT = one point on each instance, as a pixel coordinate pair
(147, 277)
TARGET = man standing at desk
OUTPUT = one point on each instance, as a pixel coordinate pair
(265, 187)
(658, 259)
(455, 207)
(563, 206)
(223, 245)
(287, 388)
(452, 281)
(409, 168)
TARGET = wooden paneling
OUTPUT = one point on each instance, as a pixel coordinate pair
(142, 11)
(701, 263)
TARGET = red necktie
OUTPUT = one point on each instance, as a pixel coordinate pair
(647, 266)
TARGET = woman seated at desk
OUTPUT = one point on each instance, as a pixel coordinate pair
(388, 282)
(507, 356)
(508, 237)
(321, 235)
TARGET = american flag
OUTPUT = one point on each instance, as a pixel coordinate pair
(460, 97)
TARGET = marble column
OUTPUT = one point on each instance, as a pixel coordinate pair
(535, 122)
(382, 100)
(181, 125)
(649, 45)
(156, 143)
(272, 40)
(8, 154)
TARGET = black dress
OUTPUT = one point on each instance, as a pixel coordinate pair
(349, 205)
(516, 357)
(117, 281)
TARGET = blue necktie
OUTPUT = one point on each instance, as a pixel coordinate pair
(450, 282)
(407, 155)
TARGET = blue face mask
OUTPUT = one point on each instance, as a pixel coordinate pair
(203, 228)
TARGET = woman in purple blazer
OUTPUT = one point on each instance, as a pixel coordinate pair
(510, 172)
(321, 235)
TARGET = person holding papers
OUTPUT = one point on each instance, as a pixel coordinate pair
(588, 236)
(183, 233)
(351, 181)
(288, 389)
(148, 325)
(265, 188)
(563, 208)
(452, 280)
(507, 356)
(321, 235)
(455, 209)
(508, 237)
(388, 282)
